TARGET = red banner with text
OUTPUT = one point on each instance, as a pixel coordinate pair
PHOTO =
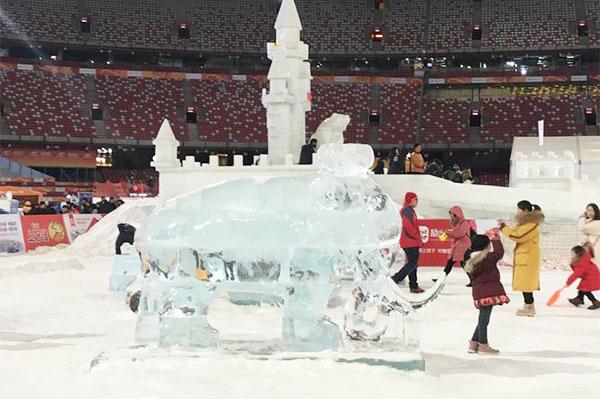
(44, 231)
(436, 243)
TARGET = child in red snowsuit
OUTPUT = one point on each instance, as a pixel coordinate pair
(587, 271)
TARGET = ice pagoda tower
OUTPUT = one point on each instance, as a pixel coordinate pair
(288, 98)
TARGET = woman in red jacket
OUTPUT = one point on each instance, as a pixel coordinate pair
(587, 271)
(461, 238)
(488, 291)
(410, 241)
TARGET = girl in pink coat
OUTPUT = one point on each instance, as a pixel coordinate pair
(460, 233)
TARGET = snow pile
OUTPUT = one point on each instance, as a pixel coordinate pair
(39, 264)
(100, 240)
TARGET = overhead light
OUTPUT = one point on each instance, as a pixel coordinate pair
(53, 57)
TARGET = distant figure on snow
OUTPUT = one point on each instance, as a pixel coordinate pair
(306, 154)
(416, 162)
(396, 162)
(589, 225)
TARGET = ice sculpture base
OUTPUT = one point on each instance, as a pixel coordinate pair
(310, 335)
(266, 351)
(125, 270)
(146, 328)
(187, 332)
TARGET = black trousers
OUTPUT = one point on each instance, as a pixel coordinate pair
(589, 295)
(480, 334)
(409, 269)
(450, 266)
(528, 297)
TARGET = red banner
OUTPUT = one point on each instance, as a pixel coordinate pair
(44, 231)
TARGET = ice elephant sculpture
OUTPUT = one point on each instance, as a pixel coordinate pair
(286, 237)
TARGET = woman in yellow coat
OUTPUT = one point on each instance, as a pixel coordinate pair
(527, 258)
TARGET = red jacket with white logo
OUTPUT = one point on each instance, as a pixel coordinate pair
(411, 234)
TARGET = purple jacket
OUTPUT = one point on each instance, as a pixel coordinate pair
(483, 270)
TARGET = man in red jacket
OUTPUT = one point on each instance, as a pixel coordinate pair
(410, 241)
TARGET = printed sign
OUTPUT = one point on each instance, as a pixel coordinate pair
(77, 224)
(436, 243)
(44, 231)
(11, 235)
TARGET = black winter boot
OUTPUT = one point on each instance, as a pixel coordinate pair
(595, 305)
(576, 301)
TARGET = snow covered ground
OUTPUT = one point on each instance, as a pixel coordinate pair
(57, 317)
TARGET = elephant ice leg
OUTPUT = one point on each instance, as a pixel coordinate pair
(183, 320)
(305, 328)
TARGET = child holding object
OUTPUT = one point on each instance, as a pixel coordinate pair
(460, 233)
(587, 271)
(481, 265)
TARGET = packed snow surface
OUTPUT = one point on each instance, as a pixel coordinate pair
(63, 335)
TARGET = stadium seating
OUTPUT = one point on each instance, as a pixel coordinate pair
(148, 23)
(230, 111)
(339, 26)
(492, 179)
(129, 175)
(56, 105)
(246, 26)
(231, 25)
(504, 118)
(44, 104)
(347, 98)
(404, 23)
(528, 24)
(135, 107)
(593, 16)
(399, 113)
(41, 20)
(445, 121)
(450, 23)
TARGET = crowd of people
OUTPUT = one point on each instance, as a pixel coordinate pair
(72, 205)
(479, 255)
(414, 163)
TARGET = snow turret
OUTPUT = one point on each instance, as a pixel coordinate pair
(165, 148)
(289, 77)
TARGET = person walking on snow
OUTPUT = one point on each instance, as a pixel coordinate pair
(587, 271)
(481, 265)
(460, 233)
(411, 242)
(589, 225)
(417, 162)
(527, 257)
